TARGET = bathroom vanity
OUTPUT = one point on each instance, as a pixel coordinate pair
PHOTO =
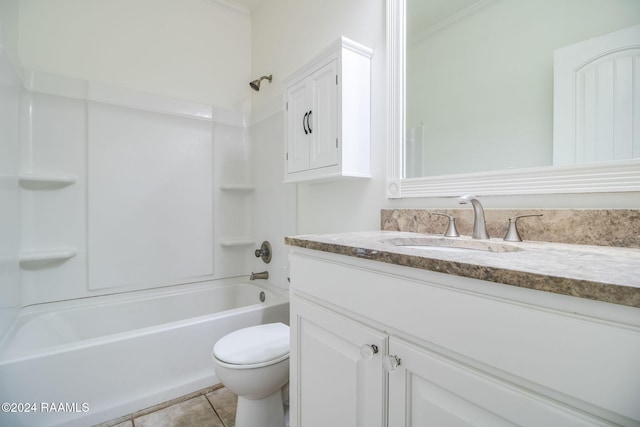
(407, 329)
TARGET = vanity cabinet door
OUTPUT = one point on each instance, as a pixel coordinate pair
(336, 377)
(297, 111)
(323, 128)
(430, 389)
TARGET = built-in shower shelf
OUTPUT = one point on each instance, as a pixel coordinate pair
(56, 254)
(46, 180)
(235, 242)
(242, 188)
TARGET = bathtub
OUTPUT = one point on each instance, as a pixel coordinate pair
(82, 362)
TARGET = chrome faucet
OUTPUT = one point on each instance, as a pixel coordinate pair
(479, 226)
(262, 275)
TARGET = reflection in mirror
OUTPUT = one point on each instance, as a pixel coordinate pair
(480, 76)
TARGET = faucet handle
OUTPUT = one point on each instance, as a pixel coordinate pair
(512, 233)
(264, 252)
(451, 229)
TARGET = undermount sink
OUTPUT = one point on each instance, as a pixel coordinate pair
(450, 244)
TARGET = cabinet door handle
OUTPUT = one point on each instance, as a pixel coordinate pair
(304, 126)
(308, 124)
(390, 363)
(368, 350)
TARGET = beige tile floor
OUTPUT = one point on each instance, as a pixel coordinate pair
(212, 407)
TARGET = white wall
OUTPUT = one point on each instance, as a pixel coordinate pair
(196, 50)
(288, 33)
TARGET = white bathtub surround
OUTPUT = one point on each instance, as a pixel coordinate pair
(144, 228)
(10, 87)
(121, 353)
(141, 190)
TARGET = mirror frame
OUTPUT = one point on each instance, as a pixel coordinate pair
(615, 176)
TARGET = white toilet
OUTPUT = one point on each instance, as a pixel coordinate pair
(254, 364)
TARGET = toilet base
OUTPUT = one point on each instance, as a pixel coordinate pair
(266, 412)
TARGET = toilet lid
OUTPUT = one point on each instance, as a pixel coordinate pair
(256, 344)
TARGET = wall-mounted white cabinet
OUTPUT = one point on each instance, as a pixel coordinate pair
(327, 115)
(383, 345)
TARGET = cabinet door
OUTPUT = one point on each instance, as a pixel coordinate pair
(324, 117)
(298, 107)
(429, 389)
(332, 384)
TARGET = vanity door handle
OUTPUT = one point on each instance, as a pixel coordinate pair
(305, 118)
(368, 350)
(390, 363)
(308, 124)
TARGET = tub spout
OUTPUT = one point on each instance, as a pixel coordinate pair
(261, 275)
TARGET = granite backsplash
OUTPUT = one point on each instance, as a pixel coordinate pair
(602, 227)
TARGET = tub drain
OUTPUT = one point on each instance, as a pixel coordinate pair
(262, 296)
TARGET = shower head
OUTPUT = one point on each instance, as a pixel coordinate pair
(255, 85)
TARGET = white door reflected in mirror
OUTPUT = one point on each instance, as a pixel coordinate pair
(597, 99)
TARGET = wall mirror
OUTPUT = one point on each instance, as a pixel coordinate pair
(471, 96)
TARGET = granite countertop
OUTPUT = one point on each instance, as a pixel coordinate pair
(602, 273)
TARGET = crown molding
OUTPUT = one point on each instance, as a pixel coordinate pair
(426, 32)
(233, 5)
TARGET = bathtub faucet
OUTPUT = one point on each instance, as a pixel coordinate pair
(262, 275)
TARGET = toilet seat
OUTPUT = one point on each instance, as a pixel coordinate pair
(253, 347)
